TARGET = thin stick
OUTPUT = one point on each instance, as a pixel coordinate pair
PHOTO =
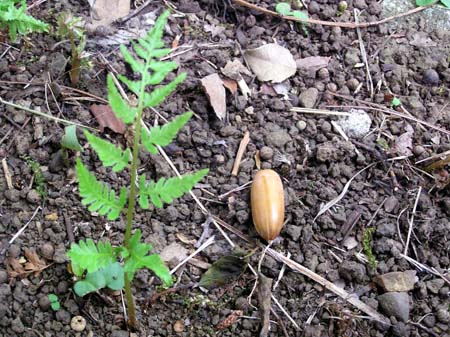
(43, 114)
(330, 23)
(411, 221)
(7, 174)
(25, 226)
(285, 312)
(207, 243)
(242, 146)
(364, 55)
(320, 111)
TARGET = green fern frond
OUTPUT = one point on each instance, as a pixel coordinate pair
(17, 21)
(87, 256)
(121, 108)
(163, 135)
(99, 196)
(152, 71)
(138, 259)
(165, 190)
(109, 154)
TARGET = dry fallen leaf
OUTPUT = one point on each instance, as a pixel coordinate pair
(404, 142)
(21, 267)
(213, 29)
(105, 12)
(271, 62)
(230, 320)
(106, 118)
(215, 91)
(234, 69)
(313, 62)
(267, 89)
(231, 85)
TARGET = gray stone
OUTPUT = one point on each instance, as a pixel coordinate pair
(63, 316)
(435, 285)
(390, 204)
(324, 152)
(357, 124)
(387, 229)
(352, 56)
(398, 281)
(174, 253)
(60, 255)
(294, 231)
(414, 104)
(33, 197)
(278, 138)
(266, 153)
(3, 276)
(308, 98)
(44, 303)
(352, 271)
(395, 304)
(12, 195)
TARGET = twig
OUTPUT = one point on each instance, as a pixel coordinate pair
(207, 243)
(43, 114)
(364, 55)
(320, 112)
(280, 322)
(352, 299)
(242, 146)
(285, 312)
(330, 23)
(69, 228)
(411, 221)
(438, 155)
(25, 226)
(7, 174)
(237, 189)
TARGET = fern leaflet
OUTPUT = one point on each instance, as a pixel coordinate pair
(163, 135)
(109, 154)
(165, 190)
(87, 256)
(121, 108)
(138, 259)
(17, 21)
(99, 196)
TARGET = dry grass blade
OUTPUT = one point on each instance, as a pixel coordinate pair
(242, 146)
(333, 202)
(7, 174)
(352, 299)
(320, 112)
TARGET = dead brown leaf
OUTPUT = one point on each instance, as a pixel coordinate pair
(313, 62)
(20, 268)
(105, 12)
(231, 85)
(106, 118)
(230, 320)
(215, 91)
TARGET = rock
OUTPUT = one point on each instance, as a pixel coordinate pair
(430, 77)
(60, 255)
(352, 56)
(44, 303)
(266, 153)
(395, 304)
(294, 231)
(33, 197)
(3, 276)
(174, 253)
(401, 329)
(398, 281)
(278, 138)
(178, 326)
(353, 84)
(78, 323)
(12, 195)
(390, 204)
(435, 285)
(17, 325)
(429, 321)
(443, 315)
(357, 124)
(63, 316)
(47, 250)
(301, 125)
(387, 229)
(414, 104)
(324, 152)
(350, 270)
(308, 98)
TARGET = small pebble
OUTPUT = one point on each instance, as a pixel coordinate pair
(44, 303)
(323, 73)
(12, 195)
(301, 125)
(178, 326)
(430, 77)
(266, 153)
(353, 84)
(47, 250)
(33, 197)
(418, 150)
(3, 276)
(78, 323)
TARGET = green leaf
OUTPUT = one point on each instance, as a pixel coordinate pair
(300, 15)
(93, 282)
(87, 256)
(121, 108)
(424, 2)
(164, 135)
(99, 196)
(52, 298)
(70, 139)
(446, 3)
(396, 102)
(283, 8)
(165, 190)
(54, 302)
(109, 154)
(224, 271)
(138, 259)
(159, 94)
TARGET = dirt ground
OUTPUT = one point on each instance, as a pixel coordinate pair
(399, 193)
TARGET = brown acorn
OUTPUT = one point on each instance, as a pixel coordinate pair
(267, 200)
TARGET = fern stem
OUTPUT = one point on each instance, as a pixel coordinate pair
(132, 196)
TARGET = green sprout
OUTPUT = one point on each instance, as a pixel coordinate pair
(445, 3)
(102, 265)
(16, 21)
(39, 180)
(54, 302)
(284, 9)
(367, 246)
(396, 102)
(72, 27)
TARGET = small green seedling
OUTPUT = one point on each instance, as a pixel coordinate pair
(39, 179)
(284, 8)
(367, 246)
(445, 3)
(72, 27)
(17, 21)
(54, 302)
(102, 265)
(396, 102)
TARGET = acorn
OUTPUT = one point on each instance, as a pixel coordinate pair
(267, 201)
